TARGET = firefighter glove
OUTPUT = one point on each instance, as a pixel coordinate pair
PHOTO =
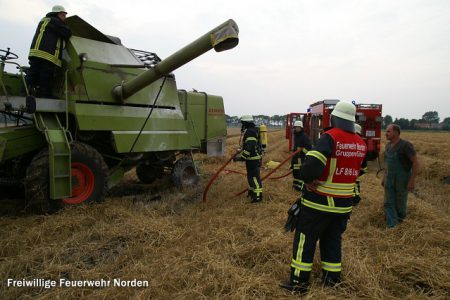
(293, 217)
(356, 200)
(238, 158)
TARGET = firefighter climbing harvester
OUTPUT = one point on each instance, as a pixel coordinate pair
(117, 108)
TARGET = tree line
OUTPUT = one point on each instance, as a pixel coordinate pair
(429, 120)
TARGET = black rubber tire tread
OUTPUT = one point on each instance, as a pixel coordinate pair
(37, 185)
(87, 154)
(148, 173)
(180, 166)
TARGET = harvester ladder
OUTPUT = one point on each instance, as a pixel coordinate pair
(59, 154)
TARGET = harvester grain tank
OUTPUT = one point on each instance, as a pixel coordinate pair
(116, 108)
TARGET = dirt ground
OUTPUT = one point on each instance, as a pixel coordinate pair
(227, 248)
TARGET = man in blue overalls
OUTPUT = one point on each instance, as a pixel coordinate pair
(401, 167)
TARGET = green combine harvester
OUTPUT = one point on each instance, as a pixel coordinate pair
(116, 109)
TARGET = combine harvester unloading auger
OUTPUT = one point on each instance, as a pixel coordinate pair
(214, 177)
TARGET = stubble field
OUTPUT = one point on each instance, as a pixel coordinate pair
(228, 248)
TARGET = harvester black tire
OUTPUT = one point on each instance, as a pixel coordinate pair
(84, 159)
(183, 173)
(148, 173)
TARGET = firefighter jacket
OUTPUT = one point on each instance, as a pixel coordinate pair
(335, 163)
(48, 41)
(301, 140)
(251, 147)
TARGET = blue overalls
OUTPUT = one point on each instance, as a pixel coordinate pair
(395, 187)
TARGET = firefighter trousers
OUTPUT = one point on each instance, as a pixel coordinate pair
(325, 228)
(254, 179)
(40, 75)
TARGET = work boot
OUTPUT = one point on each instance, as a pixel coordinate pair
(330, 281)
(298, 288)
(256, 199)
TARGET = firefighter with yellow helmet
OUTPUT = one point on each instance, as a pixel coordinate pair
(329, 172)
(251, 153)
(302, 142)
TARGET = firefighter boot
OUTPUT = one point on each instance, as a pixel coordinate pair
(331, 279)
(296, 288)
(256, 199)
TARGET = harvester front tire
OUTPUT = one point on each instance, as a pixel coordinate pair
(89, 179)
(89, 175)
(148, 173)
(183, 173)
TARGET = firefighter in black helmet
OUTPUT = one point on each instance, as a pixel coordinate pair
(329, 172)
(251, 153)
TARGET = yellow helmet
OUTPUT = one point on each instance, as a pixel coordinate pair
(344, 110)
(58, 9)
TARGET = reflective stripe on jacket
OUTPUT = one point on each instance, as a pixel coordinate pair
(48, 41)
(251, 144)
(342, 168)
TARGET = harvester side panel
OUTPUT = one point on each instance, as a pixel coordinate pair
(111, 117)
(17, 141)
(151, 141)
(205, 117)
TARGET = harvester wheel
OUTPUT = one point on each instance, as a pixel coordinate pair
(183, 173)
(149, 173)
(89, 179)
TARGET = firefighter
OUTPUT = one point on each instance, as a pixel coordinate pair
(329, 172)
(357, 191)
(302, 142)
(251, 153)
(46, 51)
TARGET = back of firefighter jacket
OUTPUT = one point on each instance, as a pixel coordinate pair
(334, 165)
(48, 41)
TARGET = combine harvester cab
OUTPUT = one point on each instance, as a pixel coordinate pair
(116, 108)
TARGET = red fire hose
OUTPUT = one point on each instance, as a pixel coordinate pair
(271, 172)
(205, 192)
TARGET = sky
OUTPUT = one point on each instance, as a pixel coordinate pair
(291, 53)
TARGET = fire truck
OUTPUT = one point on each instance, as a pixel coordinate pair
(290, 120)
(370, 119)
(318, 119)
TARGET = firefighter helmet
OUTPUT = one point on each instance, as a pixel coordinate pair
(58, 9)
(358, 128)
(298, 124)
(247, 118)
(344, 110)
